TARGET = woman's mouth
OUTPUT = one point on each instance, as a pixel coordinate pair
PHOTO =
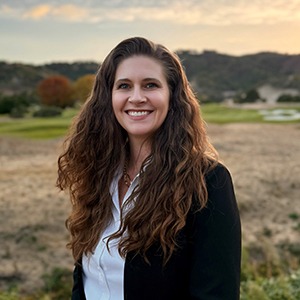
(135, 113)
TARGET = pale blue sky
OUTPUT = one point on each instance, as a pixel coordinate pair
(37, 31)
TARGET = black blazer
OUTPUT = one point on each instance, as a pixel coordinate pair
(206, 265)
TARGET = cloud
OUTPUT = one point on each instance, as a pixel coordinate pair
(66, 12)
(189, 12)
(71, 12)
(37, 12)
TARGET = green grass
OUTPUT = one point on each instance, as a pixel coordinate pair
(221, 114)
(216, 113)
(48, 128)
(37, 128)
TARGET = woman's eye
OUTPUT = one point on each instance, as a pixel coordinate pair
(123, 86)
(151, 85)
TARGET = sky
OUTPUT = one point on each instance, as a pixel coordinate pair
(38, 32)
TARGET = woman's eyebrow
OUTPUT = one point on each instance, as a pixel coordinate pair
(144, 79)
(151, 79)
(122, 80)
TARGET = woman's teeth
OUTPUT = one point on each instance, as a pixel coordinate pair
(138, 113)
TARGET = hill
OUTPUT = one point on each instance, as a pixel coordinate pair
(213, 75)
(17, 77)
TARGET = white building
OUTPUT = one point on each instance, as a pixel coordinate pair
(271, 93)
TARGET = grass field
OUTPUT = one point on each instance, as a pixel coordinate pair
(48, 128)
(220, 114)
(263, 158)
(37, 128)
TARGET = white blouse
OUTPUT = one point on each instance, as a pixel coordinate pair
(103, 271)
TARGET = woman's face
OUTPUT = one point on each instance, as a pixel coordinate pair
(140, 96)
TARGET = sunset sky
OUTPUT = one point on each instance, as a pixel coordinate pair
(37, 31)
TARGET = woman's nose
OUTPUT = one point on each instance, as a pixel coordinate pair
(137, 96)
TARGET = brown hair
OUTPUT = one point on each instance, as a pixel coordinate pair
(180, 157)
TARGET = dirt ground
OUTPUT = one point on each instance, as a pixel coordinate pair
(264, 161)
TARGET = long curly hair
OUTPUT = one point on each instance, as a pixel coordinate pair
(95, 148)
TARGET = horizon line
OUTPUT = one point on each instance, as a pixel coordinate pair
(178, 51)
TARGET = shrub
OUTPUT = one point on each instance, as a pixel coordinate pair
(275, 288)
(294, 281)
(288, 98)
(47, 111)
(252, 291)
(18, 112)
(250, 96)
(58, 283)
(15, 104)
(6, 105)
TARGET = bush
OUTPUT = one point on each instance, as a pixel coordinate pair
(288, 98)
(16, 104)
(10, 295)
(250, 96)
(47, 111)
(18, 112)
(275, 288)
(278, 289)
(6, 105)
(252, 291)
(58, 284)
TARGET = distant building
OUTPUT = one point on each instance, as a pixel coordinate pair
(271, 93)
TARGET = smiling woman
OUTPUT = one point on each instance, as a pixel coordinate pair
(154, 214)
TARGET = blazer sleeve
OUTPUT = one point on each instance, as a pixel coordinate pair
(77, 290)
(216, 242)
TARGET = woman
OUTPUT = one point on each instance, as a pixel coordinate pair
(154, 214)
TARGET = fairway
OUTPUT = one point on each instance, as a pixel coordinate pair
(55, 127)
(220, 114)
(37, 128)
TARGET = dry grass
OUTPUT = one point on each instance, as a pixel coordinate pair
(32, 235)
(264, 160)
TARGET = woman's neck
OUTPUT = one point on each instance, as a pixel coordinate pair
(139, 151)
(132, 165)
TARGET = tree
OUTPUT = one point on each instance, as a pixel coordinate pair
(16, 103)
(55, 91)
(288, 98)
(82, 87)
(250, 97)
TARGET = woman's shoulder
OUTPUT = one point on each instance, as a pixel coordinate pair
(220, 190)
(218, 176)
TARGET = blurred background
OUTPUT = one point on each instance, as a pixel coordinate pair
(243, 61)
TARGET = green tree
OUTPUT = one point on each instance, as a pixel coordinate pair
(288, 98)
(16, 104)
(248, 97)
